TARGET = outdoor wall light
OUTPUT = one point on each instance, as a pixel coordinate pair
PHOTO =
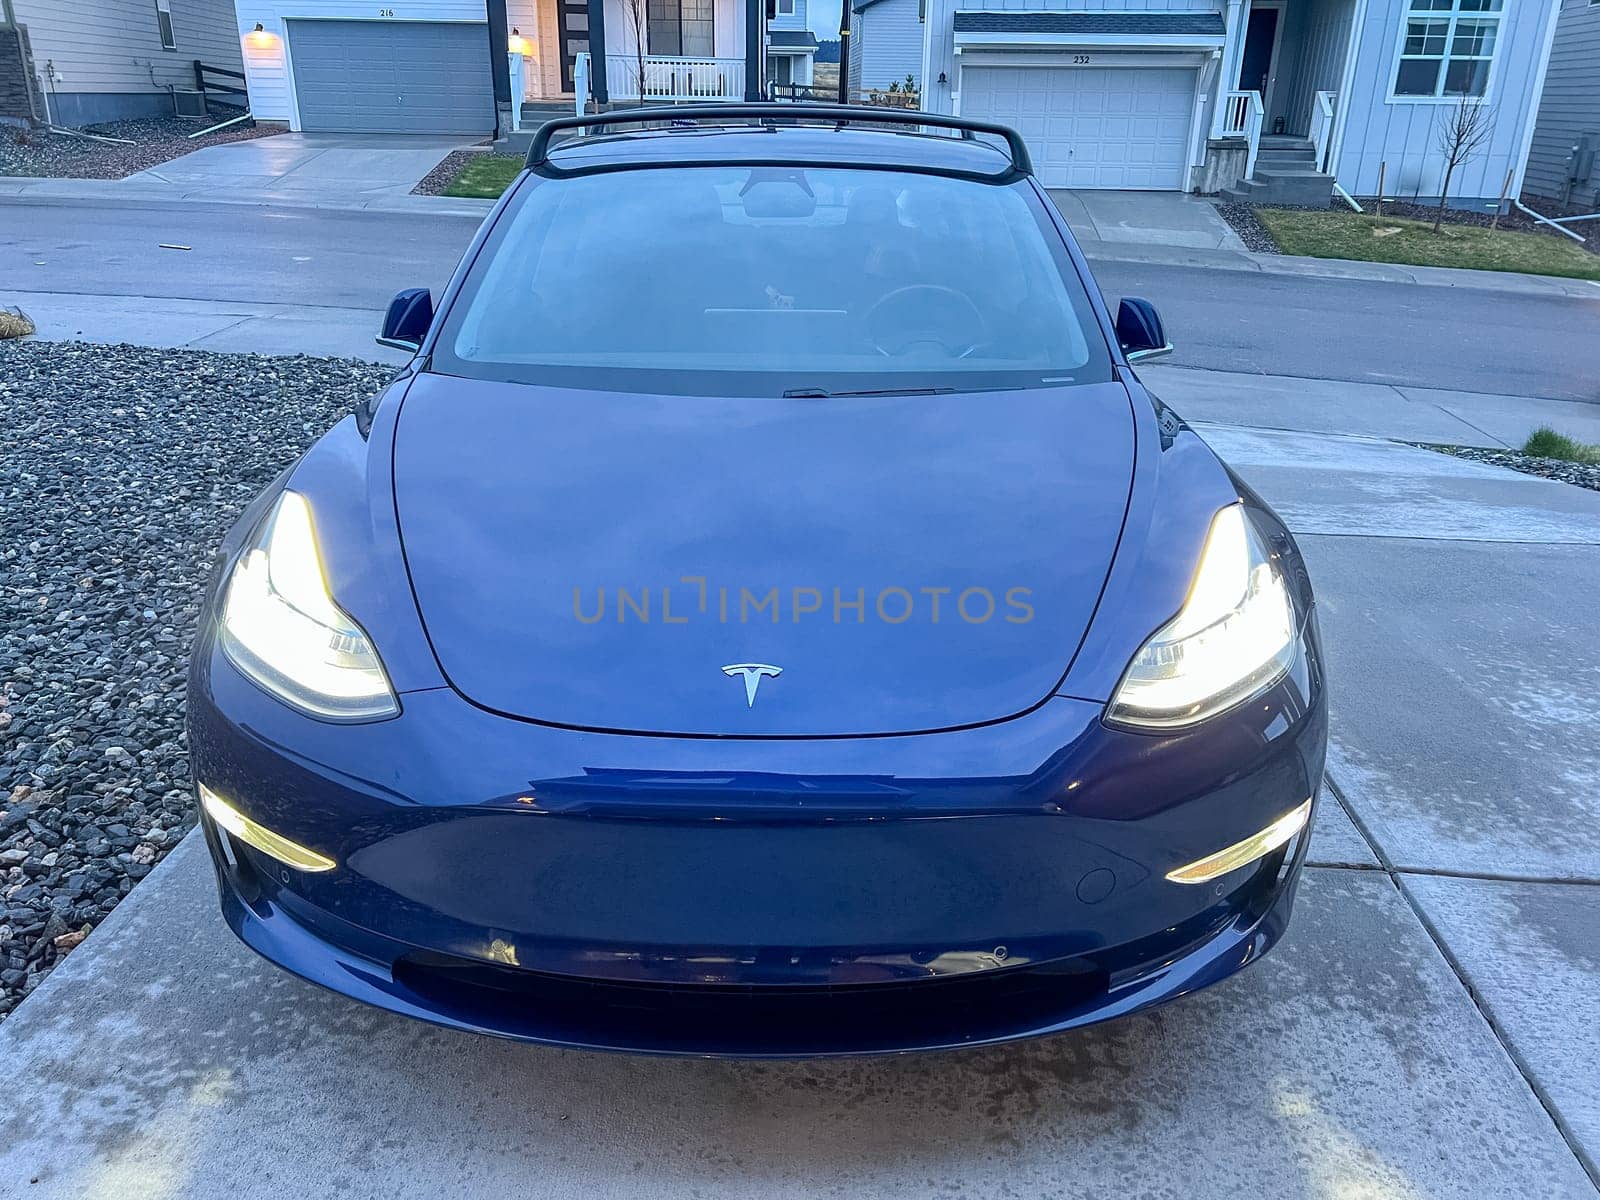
(260, 37)
(516, 43)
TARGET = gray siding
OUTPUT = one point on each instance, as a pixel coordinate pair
(1570, 107)
(886, 44)
(1401, 132)
(114, 46)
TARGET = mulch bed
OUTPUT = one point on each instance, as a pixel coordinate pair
(436, 180)
(1243, 220)
(38, 153)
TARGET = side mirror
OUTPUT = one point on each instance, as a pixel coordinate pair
(406, 323)
(1140, 332)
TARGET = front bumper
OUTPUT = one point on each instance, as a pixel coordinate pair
(675, 895)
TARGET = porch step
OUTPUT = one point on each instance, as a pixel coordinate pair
(1284, 141)
(1285, 156)
(535, 112)
(1276, 186)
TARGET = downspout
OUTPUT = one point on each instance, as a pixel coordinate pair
(755, 40)
(597, 55)
(1346, 81)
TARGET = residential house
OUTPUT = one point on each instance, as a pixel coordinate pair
(885, 43)
(72, 63)
(471, 66)
(791, 46)
(1276, 99)
(1563, 171)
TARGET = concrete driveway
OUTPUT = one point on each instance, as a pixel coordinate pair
(1144, 219)
(337, 167)
(1429, 1028)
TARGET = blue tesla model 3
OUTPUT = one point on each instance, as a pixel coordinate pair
(767, 617)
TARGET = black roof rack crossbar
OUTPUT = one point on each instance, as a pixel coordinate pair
(788, 114)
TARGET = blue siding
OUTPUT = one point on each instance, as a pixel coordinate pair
(1321, 29)
(794, 20)
(1570, 107)
(886, 44)
(1402, 132)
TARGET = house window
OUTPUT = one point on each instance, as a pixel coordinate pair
(681, 27)
(786, 8)
(164, 24)
(1447, 48)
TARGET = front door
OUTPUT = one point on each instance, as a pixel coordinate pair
(574, 15)
(1255, 64)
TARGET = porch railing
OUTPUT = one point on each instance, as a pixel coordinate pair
(1241, 117)
(663, 77)
(1322, 126)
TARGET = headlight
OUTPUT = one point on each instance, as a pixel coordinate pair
(281, 627)
(1234, 635)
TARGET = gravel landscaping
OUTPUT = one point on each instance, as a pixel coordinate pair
(120, 469)
(1242, 219)
(37, 153)
(1585, 475)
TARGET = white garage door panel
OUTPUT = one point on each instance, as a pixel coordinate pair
(1092, 127)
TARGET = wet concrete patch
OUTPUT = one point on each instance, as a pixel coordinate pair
(164, 1060)
(1466, 733)
(1532, 954)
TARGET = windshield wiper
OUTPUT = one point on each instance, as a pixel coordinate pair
(816, 393)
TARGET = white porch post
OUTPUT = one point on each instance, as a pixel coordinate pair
(1237, 24)
(519, 88)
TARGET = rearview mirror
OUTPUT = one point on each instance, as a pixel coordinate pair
(406, 323)
(1140, 332)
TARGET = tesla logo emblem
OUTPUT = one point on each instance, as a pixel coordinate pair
(753, 673)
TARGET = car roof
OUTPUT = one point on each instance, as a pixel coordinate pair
(805, 145)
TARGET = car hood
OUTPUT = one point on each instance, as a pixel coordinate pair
(618, 561)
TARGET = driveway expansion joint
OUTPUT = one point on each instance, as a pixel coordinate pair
(1397, 877)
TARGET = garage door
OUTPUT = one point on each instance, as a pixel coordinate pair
(1092, 127)
(392, 76)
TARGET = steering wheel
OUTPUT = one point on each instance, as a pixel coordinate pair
(930, 314)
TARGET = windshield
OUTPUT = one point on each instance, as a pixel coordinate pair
(771, 281)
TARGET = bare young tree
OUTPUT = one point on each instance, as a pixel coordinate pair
(639, 18)
(1460, 132)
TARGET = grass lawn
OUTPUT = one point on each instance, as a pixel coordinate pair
(485, 176)
(1394, 240)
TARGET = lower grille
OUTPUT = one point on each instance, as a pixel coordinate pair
(755, 1020)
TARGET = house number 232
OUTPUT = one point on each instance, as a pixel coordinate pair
(1080, 59)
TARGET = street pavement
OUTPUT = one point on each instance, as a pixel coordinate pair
(57, 257)
(1428, 1028)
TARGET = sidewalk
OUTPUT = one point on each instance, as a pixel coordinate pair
(1428, 1028)
(245, 327)
(1281, 402)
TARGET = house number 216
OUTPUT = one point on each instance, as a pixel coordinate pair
(386, 12)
